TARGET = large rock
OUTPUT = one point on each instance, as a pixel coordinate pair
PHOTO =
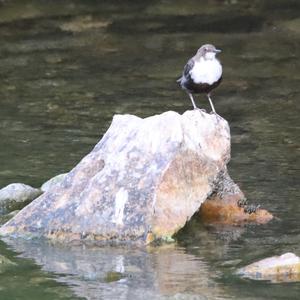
(283, 268)
(144, 180)
(15, 196)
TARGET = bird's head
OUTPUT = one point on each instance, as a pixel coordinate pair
(207, 52)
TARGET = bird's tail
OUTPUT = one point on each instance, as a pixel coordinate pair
(179, 79)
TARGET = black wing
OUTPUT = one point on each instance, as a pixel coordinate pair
(186, 71)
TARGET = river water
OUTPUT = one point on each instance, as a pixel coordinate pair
(66, 67)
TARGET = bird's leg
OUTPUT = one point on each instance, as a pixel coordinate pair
(211, 104)
(192, 99)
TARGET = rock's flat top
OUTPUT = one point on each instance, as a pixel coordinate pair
(143, 180)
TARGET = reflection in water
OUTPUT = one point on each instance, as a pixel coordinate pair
(133, 273)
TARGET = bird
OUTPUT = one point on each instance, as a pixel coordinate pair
(202, 73)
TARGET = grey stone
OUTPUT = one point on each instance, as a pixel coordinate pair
(143, 181)
(54, 181)
(15, 196)
(283, 268)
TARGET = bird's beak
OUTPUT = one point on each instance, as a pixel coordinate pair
(217, 51)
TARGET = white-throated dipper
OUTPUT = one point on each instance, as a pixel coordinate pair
(202, 73)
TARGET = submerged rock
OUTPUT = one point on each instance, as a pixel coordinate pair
(144, 180)
(16, 196)
(292, 25)
(52, 182)
(276, 268)
(83, 23)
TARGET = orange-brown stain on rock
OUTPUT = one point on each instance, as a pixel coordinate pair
(227, 211)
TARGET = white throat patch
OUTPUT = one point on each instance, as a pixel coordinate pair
(210, 55)
(206, 71)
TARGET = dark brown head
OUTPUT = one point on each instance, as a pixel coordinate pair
(207, 51)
